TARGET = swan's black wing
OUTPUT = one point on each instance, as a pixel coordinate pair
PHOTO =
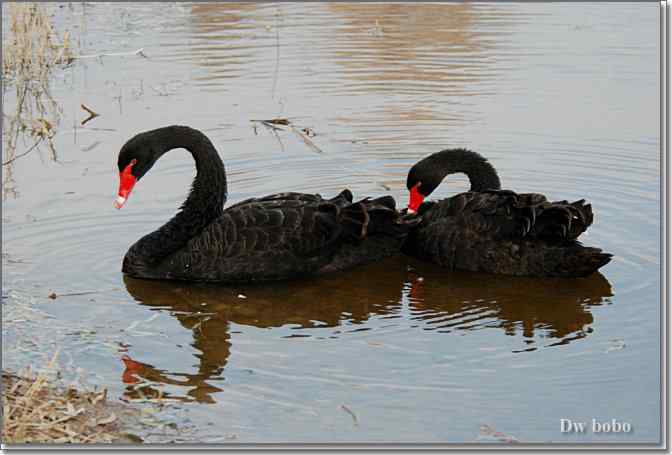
(344, 198)
(281, 236)
(502, 214)
(504, 232)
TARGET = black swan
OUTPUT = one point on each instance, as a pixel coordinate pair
(497, 231)
(280, 236)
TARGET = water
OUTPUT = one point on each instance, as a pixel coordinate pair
(562, 99)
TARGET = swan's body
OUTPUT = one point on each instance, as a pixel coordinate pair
(279, 236)
(491, 230)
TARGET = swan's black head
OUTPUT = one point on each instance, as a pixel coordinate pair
(142, 151)
(138, 155)
(421, 182)
(428, 173)
(425, 176)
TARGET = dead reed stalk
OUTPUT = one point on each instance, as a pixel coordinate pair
(33, 47)
(31, 52)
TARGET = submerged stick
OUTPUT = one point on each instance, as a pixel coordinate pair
(113, 54)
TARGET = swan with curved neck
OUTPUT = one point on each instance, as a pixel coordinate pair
(498, 231)
(279, 236)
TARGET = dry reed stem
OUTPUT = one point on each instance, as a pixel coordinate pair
(31, 52)
(33, 47)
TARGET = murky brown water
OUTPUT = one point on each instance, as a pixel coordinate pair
(562, 99)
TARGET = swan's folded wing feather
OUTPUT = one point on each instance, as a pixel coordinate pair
(268, 227)
(282, 236)
(260, 235)
(282, 199)
(503, 214)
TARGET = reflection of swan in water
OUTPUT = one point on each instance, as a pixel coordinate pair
(331, 305)
(554, 308)
(329, 301)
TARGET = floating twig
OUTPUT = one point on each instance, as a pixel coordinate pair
(53, 295)
(91, 147)
(304, 137)
(352, 414)
(284, 124)
(23, 154)
(113, 54)
(273, 123)
(91, 116)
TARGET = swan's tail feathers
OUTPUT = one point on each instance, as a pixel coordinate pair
(369, 217)
(562, 220)
(576, 260)
(583, 218)
(343, 199)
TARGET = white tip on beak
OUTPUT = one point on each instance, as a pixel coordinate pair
(119, 202)
(411, 211)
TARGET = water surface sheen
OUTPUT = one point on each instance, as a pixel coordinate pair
(563, 100)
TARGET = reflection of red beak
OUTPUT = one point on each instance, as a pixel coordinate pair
(416, 199)
(126, 183)
(416, 289)
(133, 369)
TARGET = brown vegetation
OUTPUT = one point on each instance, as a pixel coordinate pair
(34, 411)
(31, 52)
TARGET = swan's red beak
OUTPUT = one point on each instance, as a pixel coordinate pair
(126, 183)
(416, 199)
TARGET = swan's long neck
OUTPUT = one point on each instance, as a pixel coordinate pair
(204, 203)
(208, 190)
(482, 175)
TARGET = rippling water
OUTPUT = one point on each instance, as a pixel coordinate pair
(562, 99)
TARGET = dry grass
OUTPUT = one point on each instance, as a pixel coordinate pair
(33, 47)
(34, 411)
(31, 52)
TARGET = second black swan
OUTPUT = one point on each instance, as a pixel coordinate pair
(488, 229)
(280, 236)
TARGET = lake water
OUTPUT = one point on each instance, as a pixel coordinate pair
(562, 98)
